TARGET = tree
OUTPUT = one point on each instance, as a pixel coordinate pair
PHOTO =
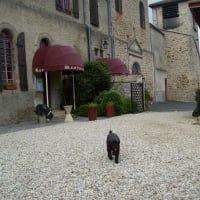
(95, 78)
(196, 112)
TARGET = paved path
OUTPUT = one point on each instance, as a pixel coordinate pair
(159, 160)
(155, 107)
(172, 106)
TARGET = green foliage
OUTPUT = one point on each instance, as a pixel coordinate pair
(126, 105)
(196, 112)
(197, 96)
(110, 95)
(82, 110)
(122, 105)
(95, 78)
(148, 99)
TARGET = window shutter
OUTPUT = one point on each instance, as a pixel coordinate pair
(94, 15)
(142, 15)
(75, 9)
(118, 6)
(170, 11)
(1, 54)
(22, 62)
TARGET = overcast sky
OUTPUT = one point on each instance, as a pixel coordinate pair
(150, 13)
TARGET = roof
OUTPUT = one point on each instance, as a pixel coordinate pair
(194, 6)
(164, 2)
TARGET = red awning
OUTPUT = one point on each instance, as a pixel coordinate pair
(115, 65)
(57, 58)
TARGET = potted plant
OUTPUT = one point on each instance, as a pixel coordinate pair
(9, 86)
(92, 111)
(109, 109)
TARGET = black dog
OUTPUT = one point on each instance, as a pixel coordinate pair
(42, 109)
(113, 146)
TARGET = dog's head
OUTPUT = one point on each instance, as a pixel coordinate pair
(113, 140)
(49, 115)
(42, 109)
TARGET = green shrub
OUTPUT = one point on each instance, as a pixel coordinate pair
(148, 99)
(111, 95)
(126, 105)
(196, 112)
(82, 110)
(95, 78)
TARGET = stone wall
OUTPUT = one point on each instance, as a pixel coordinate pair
(183, 68)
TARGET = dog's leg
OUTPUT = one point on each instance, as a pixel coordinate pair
(109, 154)
(117, 157)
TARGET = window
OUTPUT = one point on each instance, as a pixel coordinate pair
(170, 16)
(142, 16)
(136, 68)
(44, 42)
(118, 6)
(94, 15)
(64, 6)
(75, 8)
(6, 57)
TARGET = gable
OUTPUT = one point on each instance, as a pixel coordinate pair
(134, 47)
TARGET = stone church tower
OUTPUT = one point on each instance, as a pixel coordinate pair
(176, 58)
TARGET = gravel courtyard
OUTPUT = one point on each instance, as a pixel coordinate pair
(159, 160)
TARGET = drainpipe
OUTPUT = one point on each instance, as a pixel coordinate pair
(88, 29)
(154, 70)
(110, 34)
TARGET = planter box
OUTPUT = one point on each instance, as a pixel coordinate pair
(109, 110)
(10, 87)
(92, 113)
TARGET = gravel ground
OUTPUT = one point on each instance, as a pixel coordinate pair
(159, 160)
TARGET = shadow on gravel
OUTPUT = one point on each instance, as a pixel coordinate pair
(172, 106)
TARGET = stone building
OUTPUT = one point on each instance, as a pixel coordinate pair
(84, 25)
(174, 38)
(93, 29)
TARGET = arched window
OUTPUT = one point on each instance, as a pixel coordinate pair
(142, 16)
(6, 56)
(136, 68)
(44, 42)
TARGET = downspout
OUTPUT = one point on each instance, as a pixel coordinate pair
(154, 71)
(88, 30)
(110, 34)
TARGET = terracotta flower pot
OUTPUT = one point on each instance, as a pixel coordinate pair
(92, 113)
(10, 87)
(109, 110)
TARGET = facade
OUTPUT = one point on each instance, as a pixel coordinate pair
(177, 63)
(164, 54)
(85, 25)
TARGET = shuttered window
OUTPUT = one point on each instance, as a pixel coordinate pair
(142, 15)
(22, 62)
(64, 6)
(94, 15)
(170, 11)
(76, 8)
(170, 16)
(6, 58)
(118, 6)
